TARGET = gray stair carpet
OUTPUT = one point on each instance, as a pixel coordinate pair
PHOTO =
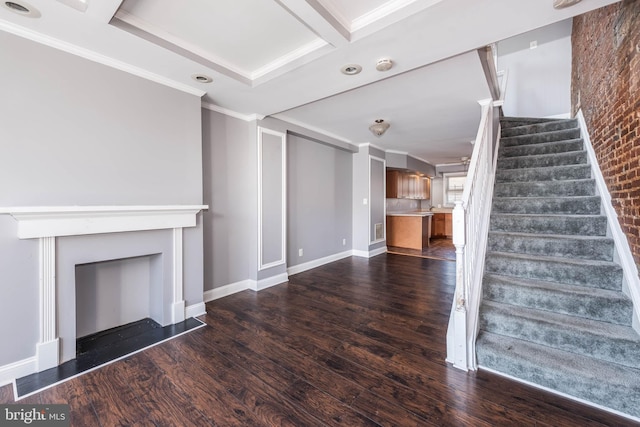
(553, 312)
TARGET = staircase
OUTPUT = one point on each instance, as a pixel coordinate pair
(553, 312)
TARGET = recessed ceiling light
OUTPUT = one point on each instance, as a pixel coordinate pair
(351, 69)
(384, 64)
(22, 8)
(201, 78)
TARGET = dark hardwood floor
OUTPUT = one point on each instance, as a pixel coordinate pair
(356, 342)
(438, 249)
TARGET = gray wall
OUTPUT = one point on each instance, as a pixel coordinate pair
(319, 207)
(539, 82)
(230, 179)
(73, 132)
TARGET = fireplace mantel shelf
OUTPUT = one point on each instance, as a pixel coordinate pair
(56, 221)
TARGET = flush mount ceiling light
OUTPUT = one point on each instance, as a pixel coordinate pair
(379, 127)
(351, 69)
(22, 8)
(201, 78)
(561, 4)
(384, 64)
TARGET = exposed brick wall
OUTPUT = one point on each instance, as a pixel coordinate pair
(606, 86)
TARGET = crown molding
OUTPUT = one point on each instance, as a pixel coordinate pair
(231, 113)
(97, 57)
(315, 129)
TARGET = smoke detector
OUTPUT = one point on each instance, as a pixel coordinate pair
(384, 64)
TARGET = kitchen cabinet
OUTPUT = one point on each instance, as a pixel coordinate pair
(407, 185)
(442, 225)
(409, 230)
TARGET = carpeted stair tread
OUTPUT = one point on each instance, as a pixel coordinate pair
(553, 245)
(509, 122)
(591, 303)
(573, 187)
(598, 381)
(539, 127)
(543, 160)
(580, 205)
(542, 137)
(606, 341)
(571, 271)
(542, 148)
(549, 224)
(550, 173)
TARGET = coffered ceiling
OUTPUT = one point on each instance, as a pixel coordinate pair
(283, 57)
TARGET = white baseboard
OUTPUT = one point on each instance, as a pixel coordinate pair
(17, 369)
(317, 262)
(268, 282)
(195, 310)
(225, 291)
(370, 254)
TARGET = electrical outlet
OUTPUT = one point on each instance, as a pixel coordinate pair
(300, 252)
(344, 242)
(365, 201)
(533, 44)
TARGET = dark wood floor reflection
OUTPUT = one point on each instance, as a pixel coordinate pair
(438, 249)
(356, 342)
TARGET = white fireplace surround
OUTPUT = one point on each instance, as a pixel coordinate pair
(46, 223)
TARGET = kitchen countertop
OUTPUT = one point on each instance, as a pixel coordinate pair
(410, 213)
(442, 210)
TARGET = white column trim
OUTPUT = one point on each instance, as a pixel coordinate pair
(47, 350)
(178, 305)
(384, 212)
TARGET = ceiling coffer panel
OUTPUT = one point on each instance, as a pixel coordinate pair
(244, 39)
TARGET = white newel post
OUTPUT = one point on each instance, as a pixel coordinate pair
(48, 348)
(460, 314)
(178, 306)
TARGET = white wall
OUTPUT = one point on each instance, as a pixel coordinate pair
(74, 132)
(539, 82)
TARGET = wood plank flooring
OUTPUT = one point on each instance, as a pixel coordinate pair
(359, 342)
(438, 249)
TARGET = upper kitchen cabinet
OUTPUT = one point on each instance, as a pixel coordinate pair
(407, 185)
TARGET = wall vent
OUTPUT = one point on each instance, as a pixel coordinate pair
(379, 231)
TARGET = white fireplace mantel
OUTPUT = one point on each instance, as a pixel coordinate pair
(46, 223)
(56, 221)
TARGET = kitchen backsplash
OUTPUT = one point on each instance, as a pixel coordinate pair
(403, 205)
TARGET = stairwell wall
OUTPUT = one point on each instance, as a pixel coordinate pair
(606, 86)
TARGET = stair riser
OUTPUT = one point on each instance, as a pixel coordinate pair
(546, 174)
(554, 206)
(614, 311)
(563, 159)
(588, 388)
(593, 276)
(539, 149)
(510, 122)
(538, 138)
(594, 226)
(621, 351)
(546, 189)
(600, 250)
(539, 128)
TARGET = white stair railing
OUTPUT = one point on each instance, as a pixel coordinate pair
(470, 231)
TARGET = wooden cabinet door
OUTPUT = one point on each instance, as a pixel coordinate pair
(426, 187)
(438, 225)
(393, 183)
(448, 225)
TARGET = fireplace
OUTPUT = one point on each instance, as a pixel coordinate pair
(73, 238)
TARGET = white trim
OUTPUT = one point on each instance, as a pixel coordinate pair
(369, 144)
(21, 368)
(195, 310)
(369, 254)
(54, 221)
(283, 179)
(178, 305)
(231, 113)
(317, 262)
(559, 116)
(97, 57)
(295, 122)
(289, 58)
(621, 243)
(48, 346)
(47, 354)
(559, 393)
(384, 206)
(226, 290)
(268, 282)
(380, 12)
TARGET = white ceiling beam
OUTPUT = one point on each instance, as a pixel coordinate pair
(317, 19)
(103, 10)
